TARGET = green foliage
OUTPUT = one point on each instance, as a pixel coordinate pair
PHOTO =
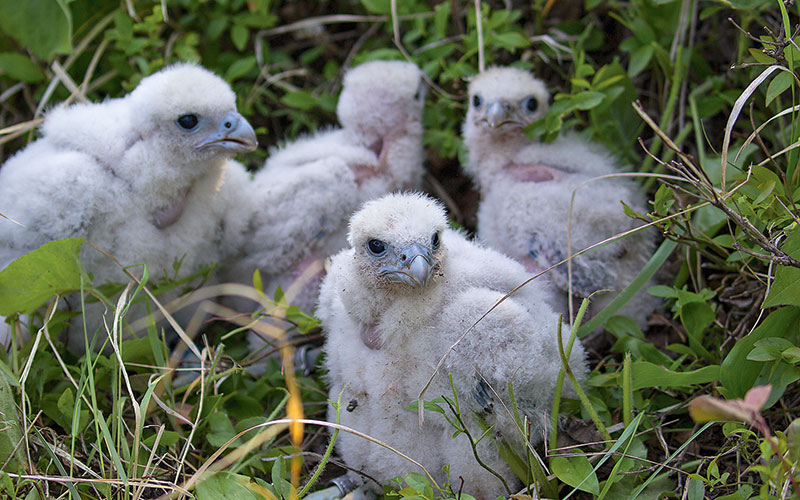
(728, 222)
(785, 289)
(43, 26)
(29, 281)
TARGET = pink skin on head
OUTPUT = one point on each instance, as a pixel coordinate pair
(532, 173)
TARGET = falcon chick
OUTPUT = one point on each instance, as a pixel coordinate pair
(393, 304)
(319, 180)
(526, 188)
(143, 177)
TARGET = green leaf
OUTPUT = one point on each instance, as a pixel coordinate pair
(577, 472)
(168, 438)
(697, 489)
(66, 402)
(377, 6)
(760, 56)
(441, 18)
(786, 287)
(586, 100)
(239, 36)
(420, 483)
(240, 67)
(300, 99)
(640, 58)
(20, 68)
(226, 486)
(29, 281)
(793, 439)
(429, 405)
(778, 85)
(763, 354)
(748, 4)
(258, 284)
(511, 40)
(221, 430)
(646, 374)
(43, 26)
(791, 355)
(11, 434)
(737, 373)
(696, 316)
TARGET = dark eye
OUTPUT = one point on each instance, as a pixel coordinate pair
(376, 247)
(187, 122)
(531, 104)
(477, 100)
(435, 241)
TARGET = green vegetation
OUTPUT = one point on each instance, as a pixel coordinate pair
(706, 107)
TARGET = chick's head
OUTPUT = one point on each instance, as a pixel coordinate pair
(380, 98)
(504, 100)
(190, 114)
(397, 241)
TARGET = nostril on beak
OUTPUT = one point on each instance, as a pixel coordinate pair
(403, 257)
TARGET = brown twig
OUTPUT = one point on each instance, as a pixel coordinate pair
(695, 175)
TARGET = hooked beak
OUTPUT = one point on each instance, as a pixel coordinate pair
(499, 113)
(234, 134)
(413, 266)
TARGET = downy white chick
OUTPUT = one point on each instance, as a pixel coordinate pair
(393, 304)
(526, 188)
(144, 177)
(325, 176)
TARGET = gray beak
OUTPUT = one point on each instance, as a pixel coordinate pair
(497, 113)
(413, 266)
(233, 133)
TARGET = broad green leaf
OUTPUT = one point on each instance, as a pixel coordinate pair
(696, 316)
(586, 100)
(786, 287)
(221, 430)
(32, 279)
(737, 373)
(765, 189)
(640, 58)
(11, 434)
(763, 354)
(377, 6)
(793, 439)
(760, 56)
(748, 4)
(226, 486)
(577, 472)
(441, 18)
(300, 99)
(511, 40)
(419, 483)
(791, 355)
(240, 67)
(168, 438)
(66, 402)
(20, 68)
(697, 489)
(43, 26)
(239, 36)
(647, 374)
